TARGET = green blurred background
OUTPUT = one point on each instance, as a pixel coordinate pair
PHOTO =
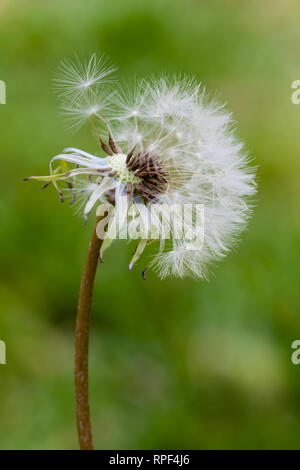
(174, 364)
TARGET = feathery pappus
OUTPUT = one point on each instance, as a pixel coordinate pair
(169, 165)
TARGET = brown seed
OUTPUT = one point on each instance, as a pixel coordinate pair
(105, 148)
(141, 188)
(130, 154)
(144, 274)
(128, 188)
(115, 148)
(151, 186)
(140, 174)
(73, 199)
(130, 161)
(103, 170)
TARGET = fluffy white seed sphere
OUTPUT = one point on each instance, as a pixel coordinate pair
(169, 146)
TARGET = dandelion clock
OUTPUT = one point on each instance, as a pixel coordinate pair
(169, 171)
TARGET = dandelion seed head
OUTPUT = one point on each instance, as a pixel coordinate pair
(164, 144)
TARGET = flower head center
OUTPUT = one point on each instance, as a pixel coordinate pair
(117, 163)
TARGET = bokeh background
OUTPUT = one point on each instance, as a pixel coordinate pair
(174, 364)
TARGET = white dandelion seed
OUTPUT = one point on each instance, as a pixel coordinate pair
(166, 146)
(77, 80)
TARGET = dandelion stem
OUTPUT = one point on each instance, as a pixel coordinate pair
(82, 343)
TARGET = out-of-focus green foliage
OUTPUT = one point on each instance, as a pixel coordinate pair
(184, 364)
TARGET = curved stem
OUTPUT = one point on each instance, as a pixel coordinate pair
(82, 343)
